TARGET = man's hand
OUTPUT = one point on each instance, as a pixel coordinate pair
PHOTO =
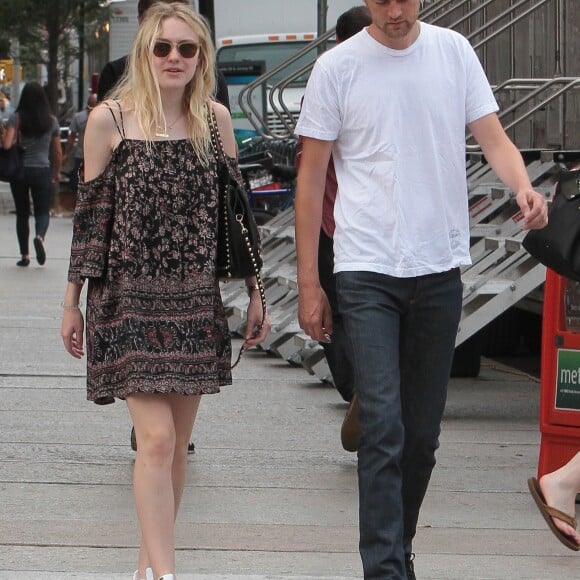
(314, 313)
(534, 207)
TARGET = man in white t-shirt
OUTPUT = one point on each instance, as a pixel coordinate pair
(391, 104)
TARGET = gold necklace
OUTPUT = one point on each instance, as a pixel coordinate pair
(165, 133)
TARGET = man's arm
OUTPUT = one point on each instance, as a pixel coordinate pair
(314, 311)
(505, 159)
(70, 141)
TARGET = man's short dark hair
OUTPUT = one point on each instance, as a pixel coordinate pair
(144, 5)
(352, 21)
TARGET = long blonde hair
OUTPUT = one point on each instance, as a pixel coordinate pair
(138, 89)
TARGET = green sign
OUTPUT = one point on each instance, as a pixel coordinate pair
(568, 380)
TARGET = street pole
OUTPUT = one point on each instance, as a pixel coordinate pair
(15, 54)
(81, 34)
(560, 38)
(321, 19)
(206, 9)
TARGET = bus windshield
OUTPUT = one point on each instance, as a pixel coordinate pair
(273, 53)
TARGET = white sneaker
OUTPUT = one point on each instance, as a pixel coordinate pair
(148, 574)
(167, 577)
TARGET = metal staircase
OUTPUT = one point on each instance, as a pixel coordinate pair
(502, 272)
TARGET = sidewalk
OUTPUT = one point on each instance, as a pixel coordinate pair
(270, 492)
(6, 201)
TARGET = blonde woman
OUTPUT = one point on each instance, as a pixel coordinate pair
(145, 238)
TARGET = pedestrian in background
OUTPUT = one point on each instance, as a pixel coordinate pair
(39, 133)
(4, 114)
(392, 104)
(75, 142)
(145, 235)
(555, 495)
(5, 108)
(337, 351)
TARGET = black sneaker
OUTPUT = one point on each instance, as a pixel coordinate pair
(409, 567)
(190, 447)
(40, 251)
(133, 439)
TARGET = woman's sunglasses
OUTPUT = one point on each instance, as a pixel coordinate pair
(186, 49)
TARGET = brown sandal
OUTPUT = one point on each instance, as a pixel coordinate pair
(548, 513)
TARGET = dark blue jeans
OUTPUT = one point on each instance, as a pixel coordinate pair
(38, 183)
(402, 333)
(338, 353)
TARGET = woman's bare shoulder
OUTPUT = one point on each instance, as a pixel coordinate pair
(102, 136)
(105, 114)
(221, 112)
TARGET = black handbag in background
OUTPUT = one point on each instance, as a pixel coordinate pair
(557, 245)
(12, 160)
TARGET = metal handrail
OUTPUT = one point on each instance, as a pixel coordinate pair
(506, 26)
(279, 88)
(285, 116)
(570, 83)
(472, 12)
(245, 96)
(280, 109)
(523, 84)
(437, 6)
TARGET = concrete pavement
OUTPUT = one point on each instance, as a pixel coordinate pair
(271, 494)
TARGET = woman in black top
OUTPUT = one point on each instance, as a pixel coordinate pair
(40, 135)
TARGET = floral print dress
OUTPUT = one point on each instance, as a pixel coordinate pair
(145, 238)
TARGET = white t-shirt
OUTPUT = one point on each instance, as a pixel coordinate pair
(398, 121)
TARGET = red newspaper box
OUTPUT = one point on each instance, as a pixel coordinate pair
(560, 381)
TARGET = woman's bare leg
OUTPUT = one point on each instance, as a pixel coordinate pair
(559, 489)
(184, 413)
(152, 480)
(184, 410)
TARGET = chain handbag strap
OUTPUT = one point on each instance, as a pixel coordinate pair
(216, 138)
(220, 154)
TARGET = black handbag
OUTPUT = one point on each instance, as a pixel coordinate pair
(238, 239)
(12, 160)
(557, 245)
